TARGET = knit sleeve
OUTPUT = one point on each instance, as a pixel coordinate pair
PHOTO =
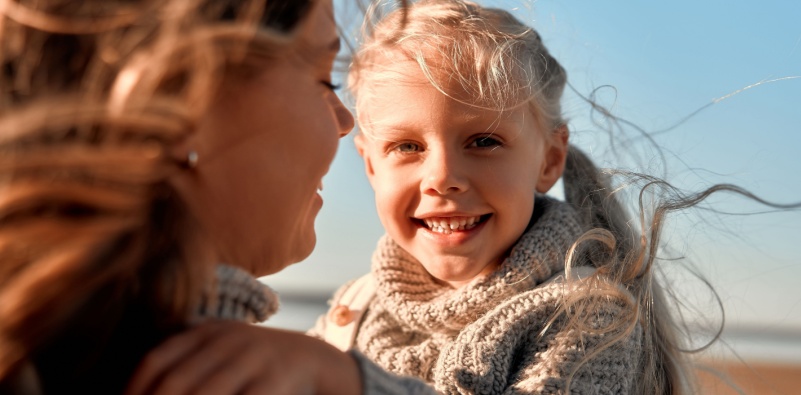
(377, 381)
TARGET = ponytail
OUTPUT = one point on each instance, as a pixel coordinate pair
(664, 369)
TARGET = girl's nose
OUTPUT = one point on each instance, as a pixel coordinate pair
(442, 174)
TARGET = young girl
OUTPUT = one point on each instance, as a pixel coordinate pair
(482, 284)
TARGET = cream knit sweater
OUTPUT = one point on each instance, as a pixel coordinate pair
(495, 335)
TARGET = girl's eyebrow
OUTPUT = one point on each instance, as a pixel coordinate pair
(393, 135)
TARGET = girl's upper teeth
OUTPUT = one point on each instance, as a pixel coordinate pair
(450, 224)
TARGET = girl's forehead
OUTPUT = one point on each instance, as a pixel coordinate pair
(461, 79)
(388, 75)
(398, 109)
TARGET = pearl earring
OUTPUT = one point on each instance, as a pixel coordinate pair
(191, 160)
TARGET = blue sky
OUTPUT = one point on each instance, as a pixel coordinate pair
(665, 60)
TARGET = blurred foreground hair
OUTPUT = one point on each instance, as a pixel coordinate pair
(97, 260)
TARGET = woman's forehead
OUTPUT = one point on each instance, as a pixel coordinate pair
(316, 40)
(319, 30)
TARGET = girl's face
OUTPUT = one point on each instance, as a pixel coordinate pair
(264, 146)
(454, 184)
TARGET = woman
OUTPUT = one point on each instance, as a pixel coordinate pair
(143, 142)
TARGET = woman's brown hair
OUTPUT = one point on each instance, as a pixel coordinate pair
(97, 261)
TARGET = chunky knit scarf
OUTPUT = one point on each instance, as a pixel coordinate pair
(491, 336)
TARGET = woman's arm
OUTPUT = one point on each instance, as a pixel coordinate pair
(228, 357)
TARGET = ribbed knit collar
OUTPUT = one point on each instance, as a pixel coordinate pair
(239, 296)
(407, 291)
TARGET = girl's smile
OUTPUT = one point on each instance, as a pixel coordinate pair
(448, 225)
(451, 231)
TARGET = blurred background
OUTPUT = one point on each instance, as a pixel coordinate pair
(716, 84)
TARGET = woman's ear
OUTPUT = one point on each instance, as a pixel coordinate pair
(553, 164)
(364, 151)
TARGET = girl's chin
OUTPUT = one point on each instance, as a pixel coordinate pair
(457, 279)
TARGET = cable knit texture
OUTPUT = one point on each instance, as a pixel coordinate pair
(496, 335)
(240, 296)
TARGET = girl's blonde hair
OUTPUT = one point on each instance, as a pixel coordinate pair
(97, 260)
(500, 63)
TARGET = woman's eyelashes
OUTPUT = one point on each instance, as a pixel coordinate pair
(331, 86)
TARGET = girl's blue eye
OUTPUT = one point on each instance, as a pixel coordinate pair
(485, 142)
(331, 86)
(407, 147)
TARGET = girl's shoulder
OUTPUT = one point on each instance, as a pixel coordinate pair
(346, 310)
(350, 289)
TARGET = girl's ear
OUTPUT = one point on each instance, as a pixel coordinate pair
(364, 152)
(554, 161)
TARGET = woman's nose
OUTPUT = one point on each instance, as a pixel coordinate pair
(345, 121)
(442, 174)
